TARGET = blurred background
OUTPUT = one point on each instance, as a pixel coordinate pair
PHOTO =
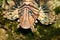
(9, 31)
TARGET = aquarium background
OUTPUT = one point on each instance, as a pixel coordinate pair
(9, 31)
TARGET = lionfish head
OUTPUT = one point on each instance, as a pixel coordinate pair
(26, 20)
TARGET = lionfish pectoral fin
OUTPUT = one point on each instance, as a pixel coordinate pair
(43, 18)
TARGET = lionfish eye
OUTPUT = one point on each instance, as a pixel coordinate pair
(21, 12)
(30, 12)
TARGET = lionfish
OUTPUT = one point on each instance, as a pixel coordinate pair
(28, 11)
